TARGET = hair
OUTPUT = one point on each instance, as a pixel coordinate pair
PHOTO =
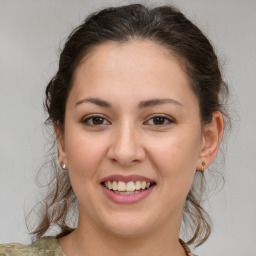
(169, 28)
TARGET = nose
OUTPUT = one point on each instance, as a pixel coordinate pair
(126, 148)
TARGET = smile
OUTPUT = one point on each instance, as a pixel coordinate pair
(120, 189)
(131, 187)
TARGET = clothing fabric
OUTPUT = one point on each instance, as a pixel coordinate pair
(45, 246)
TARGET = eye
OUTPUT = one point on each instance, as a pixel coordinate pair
(160, 121)
(95, 121)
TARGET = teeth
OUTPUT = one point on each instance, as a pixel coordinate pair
(127, 192)
(123, 187)
(114, 185)
(130, 186)
(138, 185)
(109, 185)
(143, 184)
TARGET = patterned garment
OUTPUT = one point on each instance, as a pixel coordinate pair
(45, 246)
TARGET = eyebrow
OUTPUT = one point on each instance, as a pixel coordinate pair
(154, 102)
(142, 104)
(96, 101)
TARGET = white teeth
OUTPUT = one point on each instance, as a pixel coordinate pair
(114, 185)
(123, 187)
(138, 185)
(109, 185)
(130, 186)
(127, 192)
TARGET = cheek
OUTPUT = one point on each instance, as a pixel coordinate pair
(84, 153)
(176, 156)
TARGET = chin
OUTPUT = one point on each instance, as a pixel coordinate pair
(128, 227)
(127, 231)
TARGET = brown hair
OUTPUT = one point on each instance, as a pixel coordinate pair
(168, 27)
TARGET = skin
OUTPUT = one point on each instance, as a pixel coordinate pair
(129, 141)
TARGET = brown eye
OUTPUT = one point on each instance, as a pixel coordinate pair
(95, 121)
(159, 120)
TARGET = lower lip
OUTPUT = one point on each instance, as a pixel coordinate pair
(126, 199)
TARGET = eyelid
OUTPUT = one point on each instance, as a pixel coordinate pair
(170, 119)
(88, 117)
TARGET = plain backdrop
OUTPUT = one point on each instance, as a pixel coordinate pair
(31, 33)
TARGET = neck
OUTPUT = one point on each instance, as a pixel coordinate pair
(91, 240)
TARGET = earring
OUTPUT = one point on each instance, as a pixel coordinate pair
(203, 164)
(63, 166)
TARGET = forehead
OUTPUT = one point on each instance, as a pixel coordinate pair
(134, 56)
(139, 67)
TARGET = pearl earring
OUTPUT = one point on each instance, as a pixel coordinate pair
(63, 166)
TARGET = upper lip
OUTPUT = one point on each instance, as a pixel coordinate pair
(118, 177)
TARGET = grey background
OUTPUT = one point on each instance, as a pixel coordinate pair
(30, 35)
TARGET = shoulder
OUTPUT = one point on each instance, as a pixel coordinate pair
(45, 246)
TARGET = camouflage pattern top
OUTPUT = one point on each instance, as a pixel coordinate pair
(45, 246)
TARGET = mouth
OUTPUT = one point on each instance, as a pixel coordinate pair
(127, 188)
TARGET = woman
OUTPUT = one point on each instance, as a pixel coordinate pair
(137, 113)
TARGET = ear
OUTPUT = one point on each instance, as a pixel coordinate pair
(211, 138)
(61, 145)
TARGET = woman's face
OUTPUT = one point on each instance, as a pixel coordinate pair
(131, 118)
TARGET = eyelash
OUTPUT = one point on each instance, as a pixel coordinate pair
(85, 121)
